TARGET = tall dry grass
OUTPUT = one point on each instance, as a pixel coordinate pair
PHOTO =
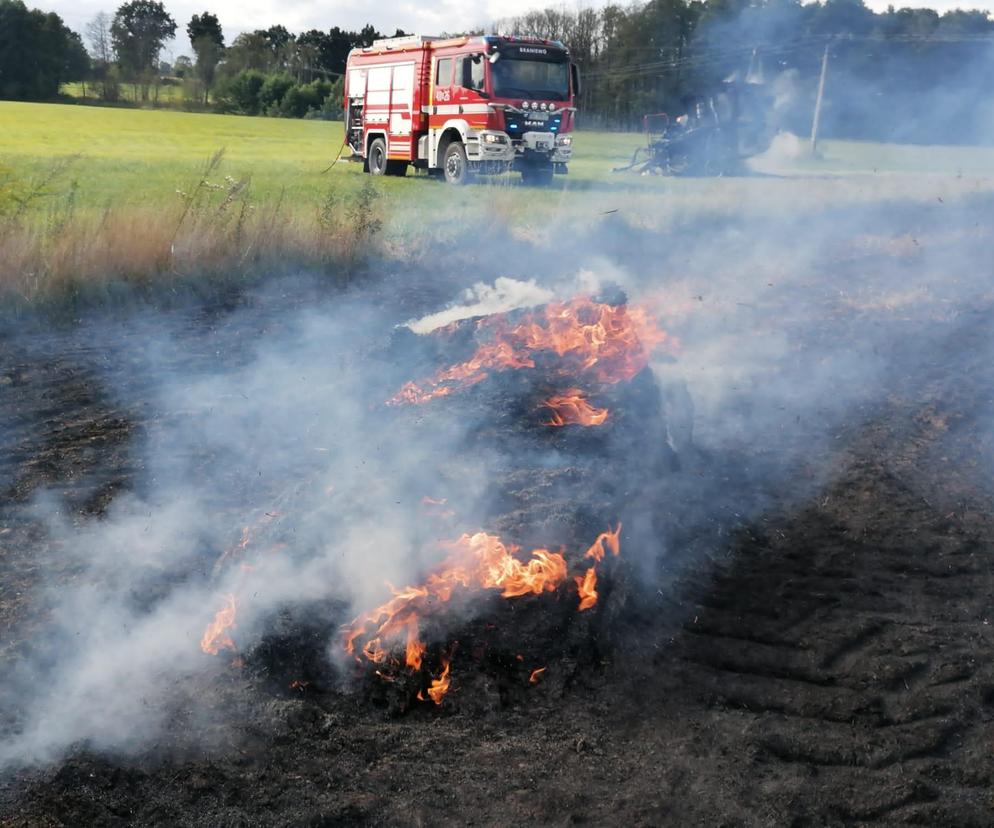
(213, 230)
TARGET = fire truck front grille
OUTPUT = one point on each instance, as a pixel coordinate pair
(518, 123)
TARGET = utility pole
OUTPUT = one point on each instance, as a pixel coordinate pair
(821, 93)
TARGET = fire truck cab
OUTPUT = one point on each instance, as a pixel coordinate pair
(462, 107)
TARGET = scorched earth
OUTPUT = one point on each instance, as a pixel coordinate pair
(742, 578)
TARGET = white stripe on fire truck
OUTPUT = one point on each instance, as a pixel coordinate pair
(457, 109)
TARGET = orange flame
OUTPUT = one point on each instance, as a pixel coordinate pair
(586, 585)
(609, 343)
(572, 408)
(533, 678)
(480, 561)
(415, 647)
(216, 636)
(606, 541)
(440, 686)
(237, 550)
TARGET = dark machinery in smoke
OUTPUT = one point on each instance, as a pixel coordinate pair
(713, 136)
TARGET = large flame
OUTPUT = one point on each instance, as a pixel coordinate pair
(478, 561)
(606, 343)
(475, 562)
(216, 636)
(572, 408)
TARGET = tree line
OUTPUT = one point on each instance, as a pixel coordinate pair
(659, 55)
(902, 74)
(268, 71)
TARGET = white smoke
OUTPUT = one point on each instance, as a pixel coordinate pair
(505, 294)
(787, 333)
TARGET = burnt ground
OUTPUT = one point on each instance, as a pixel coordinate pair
(826, 660)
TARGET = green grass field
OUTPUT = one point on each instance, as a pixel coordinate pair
(129, 156)
(130, 168)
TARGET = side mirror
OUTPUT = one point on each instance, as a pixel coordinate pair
(575, 75)
(494, 57)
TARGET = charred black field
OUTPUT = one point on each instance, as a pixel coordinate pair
(797, 629)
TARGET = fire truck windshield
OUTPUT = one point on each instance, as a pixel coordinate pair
(521, 77)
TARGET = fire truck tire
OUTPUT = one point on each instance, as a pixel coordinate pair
(377, 157)
(455, 165)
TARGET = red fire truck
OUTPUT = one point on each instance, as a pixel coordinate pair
(461, 107)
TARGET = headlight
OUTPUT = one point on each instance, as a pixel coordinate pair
(564, 140)
(493, 138)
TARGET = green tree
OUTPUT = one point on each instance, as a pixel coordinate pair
(240, 93)
(331, 49)
(183, 67)
(139, 29)
(207, 40)
(102, 55)
(37, 53)
(249, 50)
(302, 99)
(959, 22)
(279, 43)
(843, 17)
(272, 92)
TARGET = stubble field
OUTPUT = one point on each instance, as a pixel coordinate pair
(797, 630)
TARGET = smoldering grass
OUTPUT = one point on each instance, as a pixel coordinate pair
(214, 232)
(118, 230)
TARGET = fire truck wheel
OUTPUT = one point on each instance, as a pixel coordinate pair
(377, 157)
(455, 165)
